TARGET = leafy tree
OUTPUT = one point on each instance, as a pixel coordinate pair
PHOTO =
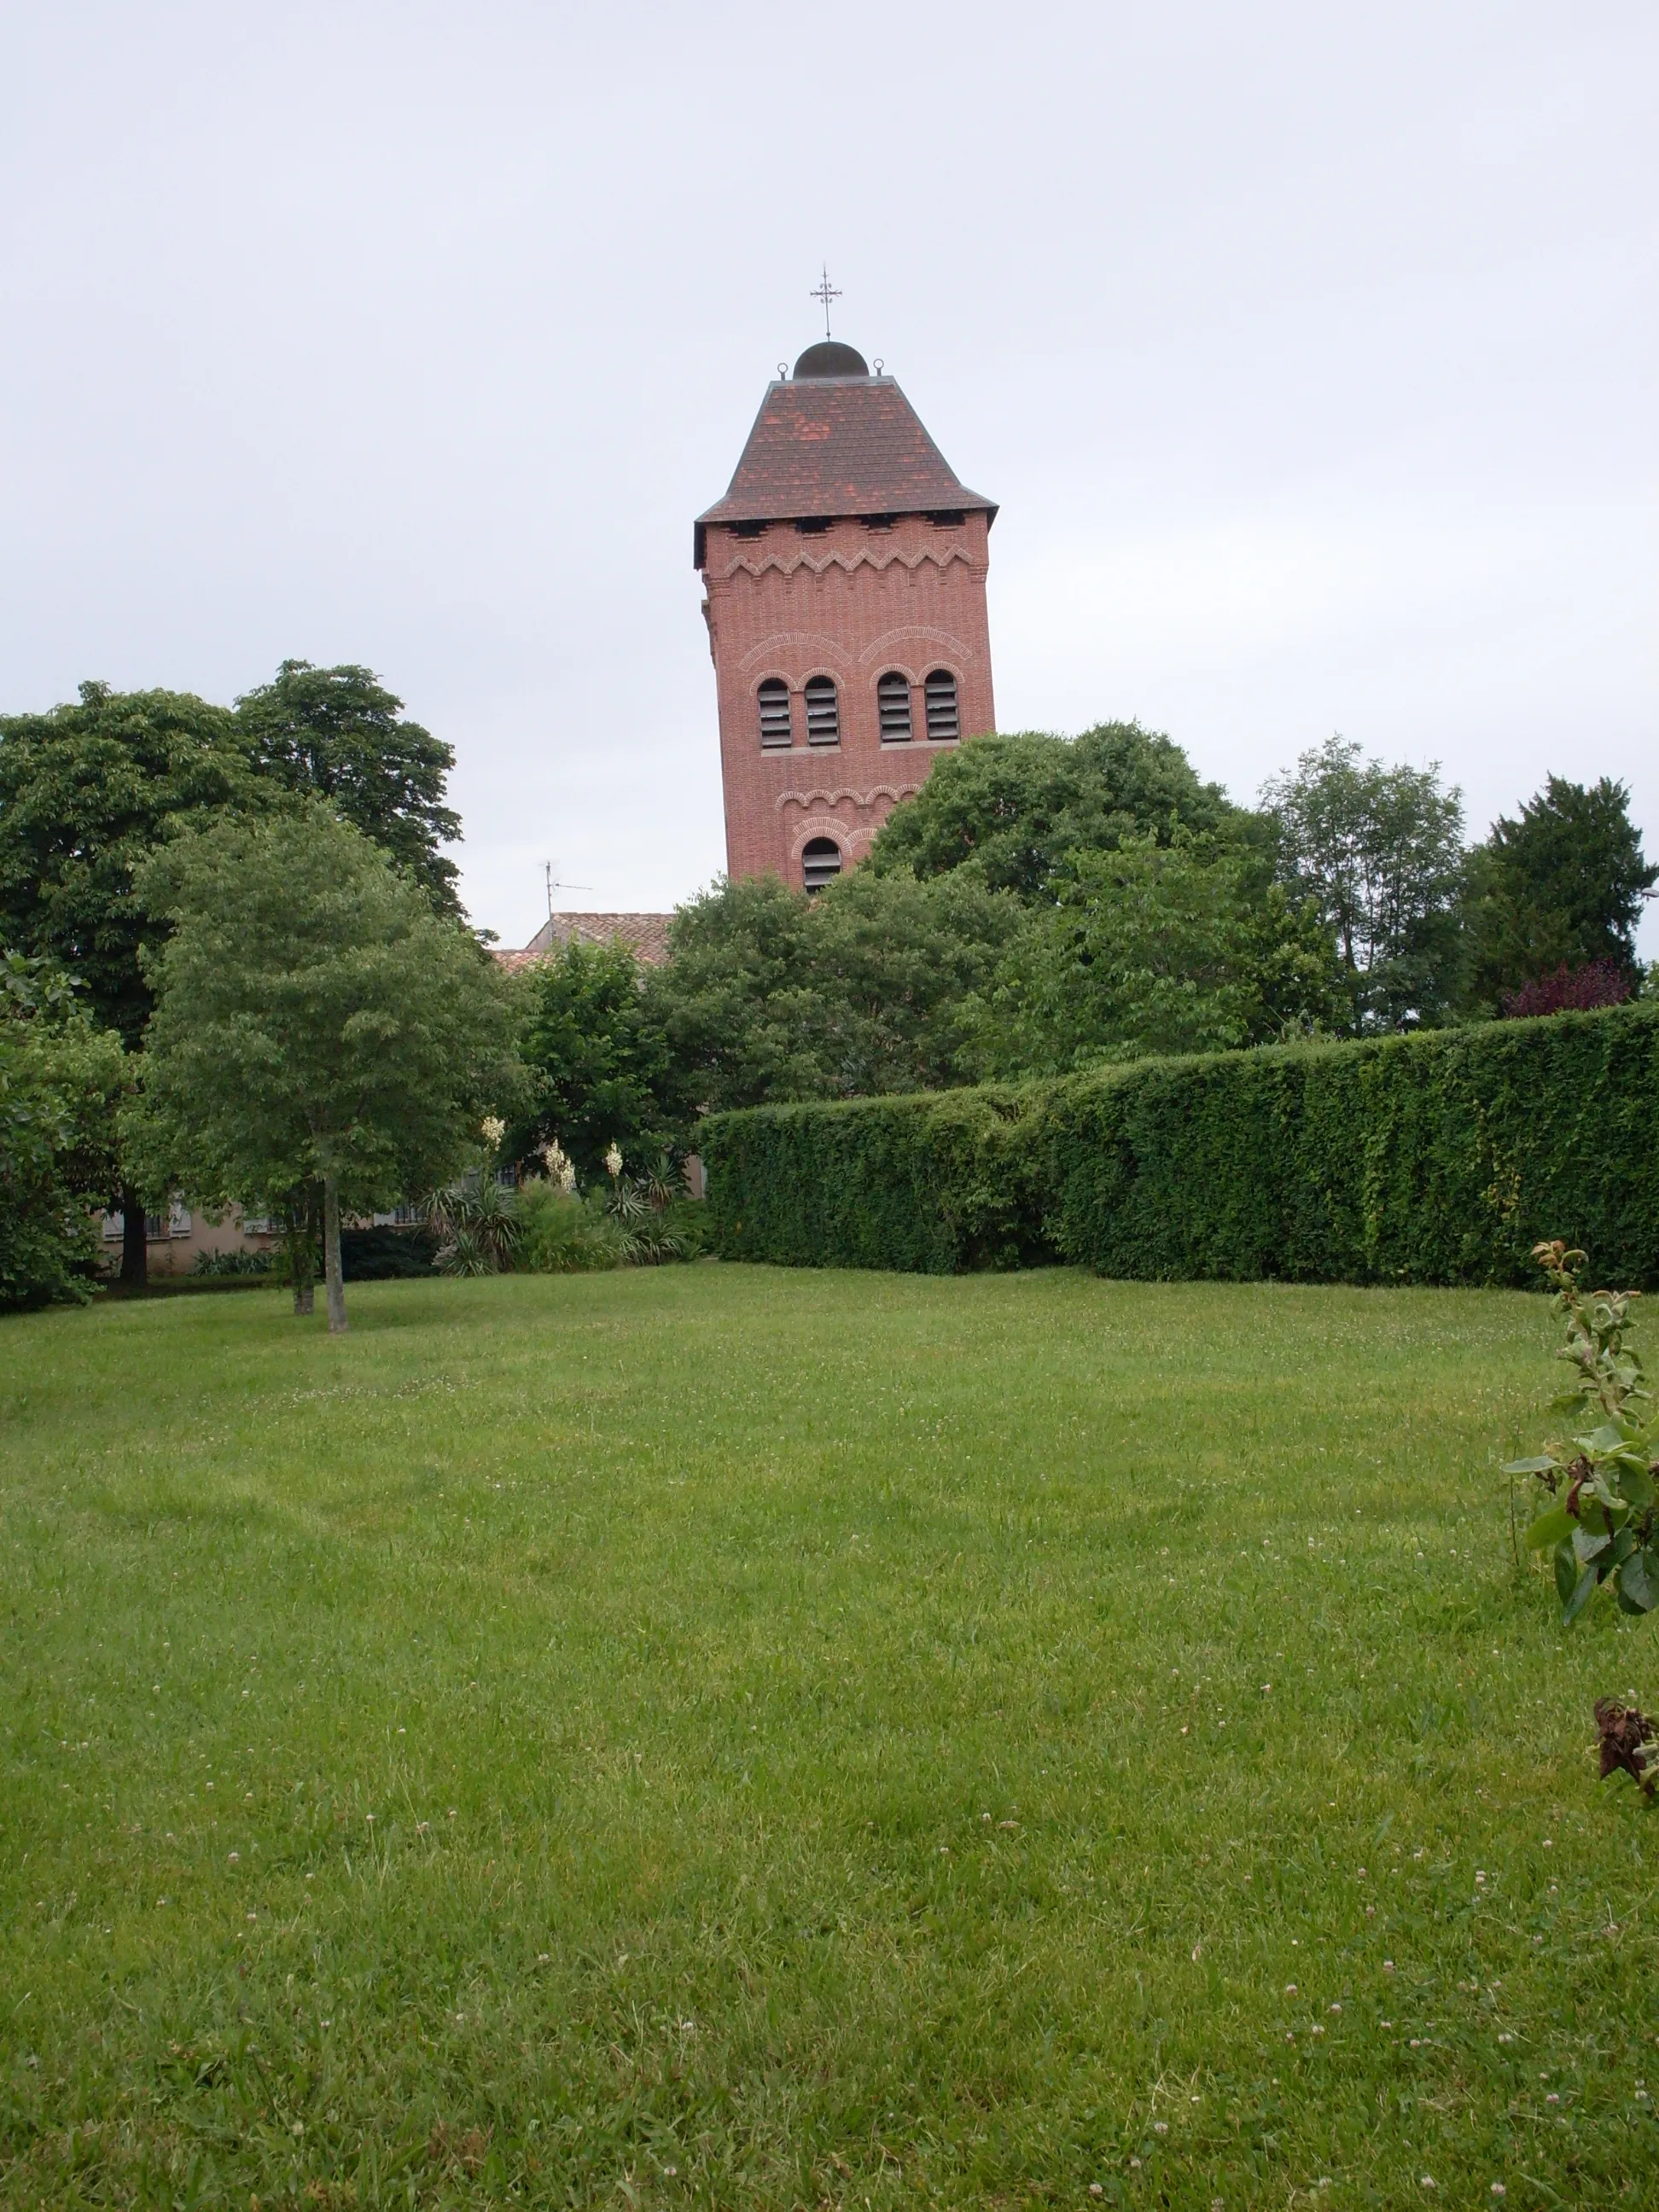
(1159, 949)
(736, 1000)
(87, 792)
(335, 734)
(1560, 887)
(316, 1022)
(867, 987)
(60, 1079)
(598, 1060)
(1010, 808)
(1379, 851)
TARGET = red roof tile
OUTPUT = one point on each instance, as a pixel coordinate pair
(645, 935)
(838, 445)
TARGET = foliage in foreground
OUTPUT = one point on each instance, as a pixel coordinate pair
(1599, 1525)
(1442, 1157)
(723, 1720)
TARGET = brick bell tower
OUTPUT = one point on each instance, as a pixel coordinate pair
(845, 579)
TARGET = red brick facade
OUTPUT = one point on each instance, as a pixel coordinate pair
(846, 550)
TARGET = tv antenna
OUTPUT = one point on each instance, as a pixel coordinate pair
(824, 291)
(557, 883)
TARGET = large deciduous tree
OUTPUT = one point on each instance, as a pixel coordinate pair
(315, 1022)
(868, 986)
(1561, 887)
(1379, 851)
(87, 793)
(1010, 808)
(338, 733)
(1159, 949)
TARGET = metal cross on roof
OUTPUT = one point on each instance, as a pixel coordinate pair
(824, 291)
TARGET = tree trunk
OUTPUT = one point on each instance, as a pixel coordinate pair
(305, 1297)
(135, 1250)
(337, 1312)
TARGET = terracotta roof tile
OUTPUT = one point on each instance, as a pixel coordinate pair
(838, 445)
(646, 936)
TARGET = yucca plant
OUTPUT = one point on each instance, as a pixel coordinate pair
(477, 1224)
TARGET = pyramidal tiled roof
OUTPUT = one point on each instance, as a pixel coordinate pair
(837, 446)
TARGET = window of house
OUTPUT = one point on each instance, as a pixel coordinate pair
(813, 525)
(893, 707)
(947, 517)
(877, 521)
(823, 712)
(775, 724)
(940, 691)
(820, 862)
(748, 530)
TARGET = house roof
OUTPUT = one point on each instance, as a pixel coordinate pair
(645, 935)
(827, 445)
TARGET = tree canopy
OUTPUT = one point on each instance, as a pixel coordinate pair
(597, 1058)
(61, 1078)
(1178, 948)
(1379, 851)
(1560, 887)
(1010, 808)
(869, 985)
(338, 733)
(87, 793)
(315, 1022)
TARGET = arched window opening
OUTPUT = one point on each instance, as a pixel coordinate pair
(820, 863)
(775, 725)
(941, 695)
(823, 712)
(893, 708)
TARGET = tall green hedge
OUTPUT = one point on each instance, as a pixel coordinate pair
(1436, 1158)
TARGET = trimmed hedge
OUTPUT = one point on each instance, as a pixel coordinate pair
(1441, 1157)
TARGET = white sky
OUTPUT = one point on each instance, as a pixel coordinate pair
(1309, 350)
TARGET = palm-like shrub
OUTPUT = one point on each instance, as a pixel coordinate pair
(478, 1227)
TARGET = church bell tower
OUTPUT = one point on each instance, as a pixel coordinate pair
(844, 576)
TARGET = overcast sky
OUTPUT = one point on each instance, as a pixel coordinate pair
(1310, 350)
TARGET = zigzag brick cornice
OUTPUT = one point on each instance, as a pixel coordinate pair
(928, 557)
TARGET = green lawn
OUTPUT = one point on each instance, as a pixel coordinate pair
(724, 1735)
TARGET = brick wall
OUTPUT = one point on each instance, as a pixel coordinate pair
(851, 602)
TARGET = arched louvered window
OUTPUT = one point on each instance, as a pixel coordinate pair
(893, 708)
(774, 696)
(823, 712)
(940, 690)
(820, 863)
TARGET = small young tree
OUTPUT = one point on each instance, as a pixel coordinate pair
(315, 1022)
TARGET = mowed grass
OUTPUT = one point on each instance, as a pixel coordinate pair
(725, 1736)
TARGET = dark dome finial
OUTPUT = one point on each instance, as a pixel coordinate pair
(829, 357)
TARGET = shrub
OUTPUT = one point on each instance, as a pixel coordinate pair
(559, 1234)
(60, 1079)
(1440, 1158)
(1598, 983)
(235, 1262)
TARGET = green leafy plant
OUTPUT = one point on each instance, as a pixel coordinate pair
(562, 1234)
(235, 1262)
(1599, 1523)
(477, 1224)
